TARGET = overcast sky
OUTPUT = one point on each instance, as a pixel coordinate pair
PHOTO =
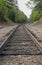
(23, 7)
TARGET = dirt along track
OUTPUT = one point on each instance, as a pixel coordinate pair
(20, 45)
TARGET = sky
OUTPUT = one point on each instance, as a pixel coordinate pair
(24, 8)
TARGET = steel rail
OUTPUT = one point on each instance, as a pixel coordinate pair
(33, 38)
(3, 44)
(13, 31)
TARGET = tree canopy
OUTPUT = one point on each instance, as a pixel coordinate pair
(37, 11)
(8, 11)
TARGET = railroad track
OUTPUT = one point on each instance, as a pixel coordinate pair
(20, 43)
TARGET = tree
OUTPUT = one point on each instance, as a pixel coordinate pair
(3, 9)
(8, 11)
(37, 11)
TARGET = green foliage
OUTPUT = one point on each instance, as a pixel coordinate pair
(3, 10)
(37, 11)
(8, 11)
(35, 15)
(20, 17)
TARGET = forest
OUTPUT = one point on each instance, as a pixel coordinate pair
(37, 11)
(9, 12)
